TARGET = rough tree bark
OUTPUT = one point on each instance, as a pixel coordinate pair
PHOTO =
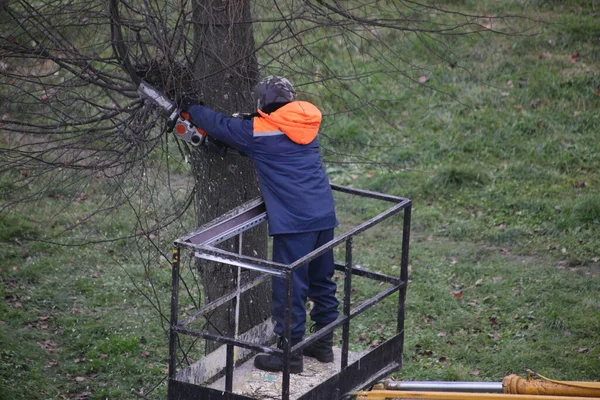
(226, 72)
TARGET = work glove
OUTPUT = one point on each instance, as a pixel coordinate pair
(187, 100)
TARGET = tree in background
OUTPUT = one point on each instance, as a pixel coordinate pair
(71, 112)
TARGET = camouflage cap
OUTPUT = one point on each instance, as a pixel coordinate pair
(273, 89)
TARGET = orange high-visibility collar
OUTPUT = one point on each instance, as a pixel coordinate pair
(299, 120)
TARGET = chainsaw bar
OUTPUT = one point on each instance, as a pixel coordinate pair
(156, 97)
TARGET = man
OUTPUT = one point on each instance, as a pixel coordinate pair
(281, 138)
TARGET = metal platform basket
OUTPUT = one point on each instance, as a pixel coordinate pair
(351, 372)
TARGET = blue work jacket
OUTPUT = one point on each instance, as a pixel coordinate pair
(285, 151)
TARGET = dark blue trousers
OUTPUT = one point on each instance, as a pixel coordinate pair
(312, 280)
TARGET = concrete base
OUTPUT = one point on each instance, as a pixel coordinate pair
(251, 382)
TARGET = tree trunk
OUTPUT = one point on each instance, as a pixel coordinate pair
(226, 70)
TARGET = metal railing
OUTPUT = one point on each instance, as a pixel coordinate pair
(375, 364)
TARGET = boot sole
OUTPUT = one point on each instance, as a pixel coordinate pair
(293, 369)
(324, 359)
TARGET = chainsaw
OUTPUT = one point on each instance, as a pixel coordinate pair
(177, 121)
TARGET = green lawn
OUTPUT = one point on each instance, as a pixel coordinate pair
(500, 153)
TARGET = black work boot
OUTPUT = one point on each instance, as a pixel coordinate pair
(322, 348)
(274, 362)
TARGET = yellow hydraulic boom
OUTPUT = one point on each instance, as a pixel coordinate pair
(512, 387)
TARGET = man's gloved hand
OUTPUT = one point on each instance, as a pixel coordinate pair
(187, 100)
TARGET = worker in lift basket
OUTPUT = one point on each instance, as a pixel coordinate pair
(281, 138)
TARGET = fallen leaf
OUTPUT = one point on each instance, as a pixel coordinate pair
(494, 322)
(144, 354)
(544, 55)
(82, 197)
(475, 372)
(582, 350)
(457, 294)
(49, 345)
(510, 84)
(441, 334)
(103, 356)
(478, 282)
(487, 23)
(522, 82)
(80, 396)
(496, 279)
(80, 379)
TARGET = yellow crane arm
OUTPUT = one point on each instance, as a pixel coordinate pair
(396, 394)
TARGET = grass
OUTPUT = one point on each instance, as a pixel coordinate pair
(481, 312)
(500, 156)
(74, 325)
(501, 164)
